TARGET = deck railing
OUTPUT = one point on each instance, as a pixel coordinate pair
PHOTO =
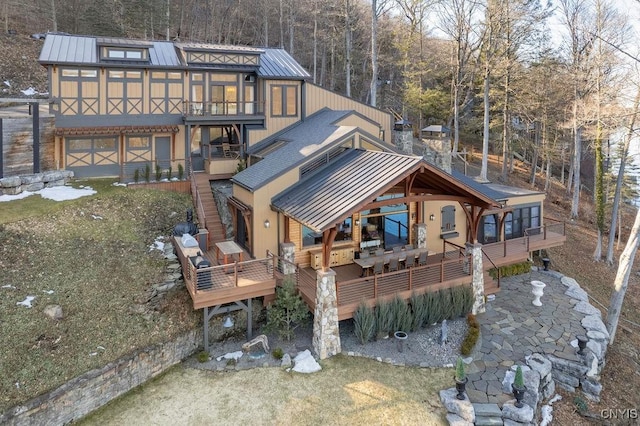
(208, 109)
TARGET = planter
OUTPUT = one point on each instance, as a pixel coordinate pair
(461, 386)
(545, 263)
(400, 337)
(538, 291)
(518, 394)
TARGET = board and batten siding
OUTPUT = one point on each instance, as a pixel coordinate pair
(317, 98)
(274, 124)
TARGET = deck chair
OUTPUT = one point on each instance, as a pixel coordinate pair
(397, 249)
(379, 252)
(393, 264)
(408, 247)
(378, 267)
(422, 260)
(410, 261)
(364, 254)
(226, 149)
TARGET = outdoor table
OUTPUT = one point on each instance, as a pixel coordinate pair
(228, 250)
(367, 263)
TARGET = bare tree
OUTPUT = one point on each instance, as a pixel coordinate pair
(378, 7)
(457, 20)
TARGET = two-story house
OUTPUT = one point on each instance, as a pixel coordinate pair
(319, 183)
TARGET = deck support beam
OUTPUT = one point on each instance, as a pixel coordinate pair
(209, 312)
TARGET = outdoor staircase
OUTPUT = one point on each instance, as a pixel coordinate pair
(491, 286)
(487, 414)
(212, 218)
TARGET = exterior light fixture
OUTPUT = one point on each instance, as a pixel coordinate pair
(432, 217)
(357, 222)
(267, 223)
(228, 321)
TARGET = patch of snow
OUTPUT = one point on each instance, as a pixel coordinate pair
(305, 363)
(119, 184)
(96, 217)
(27, 302)
(547, 410)
(57, 193)
(8, 286)
(48, 291)
(157, 245)
(29, 92)
(7, 83)
(230, 355)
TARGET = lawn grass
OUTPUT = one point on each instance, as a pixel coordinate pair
(92, 257)
(347, 391)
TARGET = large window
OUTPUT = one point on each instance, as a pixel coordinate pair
(488, 231)
(284, 101)
(521, 219)
(312, 238)
(387, 226)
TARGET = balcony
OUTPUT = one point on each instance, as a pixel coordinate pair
(202, 111)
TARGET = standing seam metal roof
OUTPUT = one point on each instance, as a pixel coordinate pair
(330, 195)
(305, 139)
(73, 49)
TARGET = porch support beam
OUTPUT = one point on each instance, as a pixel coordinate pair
(326, 332)
(209, 312)
(328, 236)
(474, 250)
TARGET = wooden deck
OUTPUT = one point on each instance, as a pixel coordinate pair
(352, 289)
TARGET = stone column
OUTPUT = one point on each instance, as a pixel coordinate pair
(288, 253)
(421, 235)
(404, 141)
(326, 332)
(477, 273)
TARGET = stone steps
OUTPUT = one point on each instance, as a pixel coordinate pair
(487, 414)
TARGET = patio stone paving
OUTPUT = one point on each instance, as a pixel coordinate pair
(512, 328)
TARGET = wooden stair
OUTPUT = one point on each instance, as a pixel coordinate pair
(213, 222)
(491, 286)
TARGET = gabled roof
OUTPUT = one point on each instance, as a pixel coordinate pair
(84, 50)
(357, 178)
(335, 192)
(316, 133)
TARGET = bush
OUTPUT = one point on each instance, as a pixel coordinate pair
(384, 320)
(419, 311)
(364, 321)
(180, 171)
(136, 175)
(511, 270)
(460, 374)
(433, 307)
(158, 172)
(462, 298)
(472, 336)
(277, 353)
(147, 173)
(169, 173)
(203, 356)
(287, 312)
(401, 314)
(518, 381)
(446, 304)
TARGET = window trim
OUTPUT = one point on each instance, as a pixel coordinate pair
(283, 100)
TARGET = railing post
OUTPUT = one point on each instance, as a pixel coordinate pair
(545, 232)
(375, 286)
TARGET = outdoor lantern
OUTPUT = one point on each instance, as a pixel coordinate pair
(267, 223)
(432, 217)
(228, 321)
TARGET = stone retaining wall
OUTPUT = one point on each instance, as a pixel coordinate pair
(14, 185)
(90, 391)
(80, 396)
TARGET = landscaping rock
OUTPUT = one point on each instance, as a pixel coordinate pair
(587, 308)
(456, 420)
(520, 415)
(54, 312)
(286, 361)
(575, 292)
(462, 408)
(594, 322)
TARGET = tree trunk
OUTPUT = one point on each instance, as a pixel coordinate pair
(348, 43)
(373, 87)
(485, 133)
(622, 279)
(619, 179)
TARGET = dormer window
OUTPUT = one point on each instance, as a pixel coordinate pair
(124, 54)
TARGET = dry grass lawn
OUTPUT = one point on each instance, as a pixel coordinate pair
(348, 391)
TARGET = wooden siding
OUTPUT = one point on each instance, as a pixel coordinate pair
(317, 98)
(17, 145)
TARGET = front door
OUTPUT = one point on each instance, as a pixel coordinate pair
(163, 152)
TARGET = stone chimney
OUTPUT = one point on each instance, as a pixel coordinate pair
(403, 136)
(437, 146)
